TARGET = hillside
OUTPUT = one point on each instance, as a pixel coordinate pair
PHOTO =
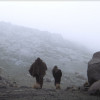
(20, 46)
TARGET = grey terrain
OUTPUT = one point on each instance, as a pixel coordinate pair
(20, 46)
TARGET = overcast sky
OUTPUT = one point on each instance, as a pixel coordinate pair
(75, 20)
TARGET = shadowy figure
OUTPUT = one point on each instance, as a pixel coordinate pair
(57, 74)
(38, 70)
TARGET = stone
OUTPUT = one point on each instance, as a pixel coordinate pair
(93, 71)
(95, 88)
(47, 80)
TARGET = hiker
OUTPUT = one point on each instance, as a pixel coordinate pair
(38, 70)
(57, 74)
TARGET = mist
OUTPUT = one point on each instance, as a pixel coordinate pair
(61, 33)
(77, 21)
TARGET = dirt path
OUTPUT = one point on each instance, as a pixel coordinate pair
(43, 94)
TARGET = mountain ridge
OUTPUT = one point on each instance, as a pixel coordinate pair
(20, 46)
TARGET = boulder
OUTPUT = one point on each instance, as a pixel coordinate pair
(47, 80)
(0, 70)
(93, 71)
(4, 83)
(94, 88)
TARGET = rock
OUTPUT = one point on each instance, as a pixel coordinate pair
(4, 83)
(95, 88)
(24, 87)
(85, 87)
(47, 80)
(0, 78)
(82, 88)
(93, 71)
(0, 70)
(73, 88)
(86, 84)
(14, 84)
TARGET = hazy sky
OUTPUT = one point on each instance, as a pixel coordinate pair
(78, 21)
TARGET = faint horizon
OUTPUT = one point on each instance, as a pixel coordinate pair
(76, 21)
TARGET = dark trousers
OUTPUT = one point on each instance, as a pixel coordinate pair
(39, 80)
(57, 80)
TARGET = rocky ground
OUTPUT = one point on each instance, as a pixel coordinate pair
(9, 91)
(27, 93)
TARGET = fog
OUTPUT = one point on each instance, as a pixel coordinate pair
(27, 31)
(74, 20)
